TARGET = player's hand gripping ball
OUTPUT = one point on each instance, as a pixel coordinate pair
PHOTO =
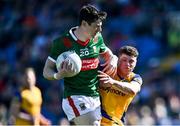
(74, 60)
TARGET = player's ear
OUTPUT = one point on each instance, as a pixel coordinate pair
(84, 23)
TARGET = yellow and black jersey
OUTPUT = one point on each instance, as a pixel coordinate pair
(30, 106)
(114, 102)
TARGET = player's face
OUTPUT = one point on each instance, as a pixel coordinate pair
(94, 28)
(30, 78)
(126, 64)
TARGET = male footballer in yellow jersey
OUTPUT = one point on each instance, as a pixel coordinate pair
(26, 104)
(118, 92)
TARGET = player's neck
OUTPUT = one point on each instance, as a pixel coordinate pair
(123, 75)
(80, 34)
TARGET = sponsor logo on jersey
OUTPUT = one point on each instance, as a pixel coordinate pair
(112, 90)
(89, 64)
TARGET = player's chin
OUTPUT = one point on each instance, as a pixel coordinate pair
(128, 70)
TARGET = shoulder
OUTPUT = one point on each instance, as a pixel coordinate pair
(63, 40)
(17, 96)
(137, 78)
(60, 37)
(37, 89)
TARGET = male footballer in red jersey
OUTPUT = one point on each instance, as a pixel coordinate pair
(81, 101)
(118, 92)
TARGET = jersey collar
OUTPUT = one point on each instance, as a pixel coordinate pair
(132, 74)
(76, 39)
(72, 34)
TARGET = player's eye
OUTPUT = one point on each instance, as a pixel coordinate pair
(131, 61)
(124, 60)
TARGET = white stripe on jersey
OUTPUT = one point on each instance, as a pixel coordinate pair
(51, 59)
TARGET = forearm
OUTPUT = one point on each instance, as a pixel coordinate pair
(126, 87)
(107, 54)
(110, 62)
(13, 112)
(44, 121)
(49, 70)
(49, 74)
(12, 117)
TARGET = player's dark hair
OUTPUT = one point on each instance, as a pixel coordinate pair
(90, 14)
(129, 50)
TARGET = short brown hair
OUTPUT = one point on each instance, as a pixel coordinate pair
(90, 14)
(129, 50)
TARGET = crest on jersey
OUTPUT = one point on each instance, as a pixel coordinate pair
(67, 42)
(82, 106)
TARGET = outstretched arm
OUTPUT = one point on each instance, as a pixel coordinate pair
(130, 88)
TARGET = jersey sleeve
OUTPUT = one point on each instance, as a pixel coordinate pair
(137, 78)
(57, 48)
(102, 44)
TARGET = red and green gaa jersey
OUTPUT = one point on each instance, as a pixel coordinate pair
(86, 82)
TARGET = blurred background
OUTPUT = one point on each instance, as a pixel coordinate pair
(27, 28)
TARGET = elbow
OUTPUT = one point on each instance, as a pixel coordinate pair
(44, 75)
(132, 92)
